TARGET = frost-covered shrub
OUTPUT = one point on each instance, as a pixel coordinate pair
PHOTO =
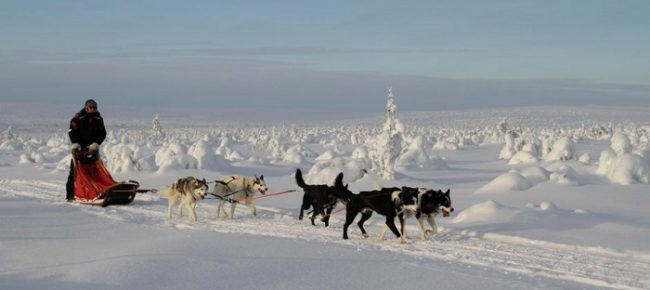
(444, 145)
(64, 164)
(324, 172)
(13, 144)
(298, 154)
(172, 156)
(31, 157)
(227, 152)
(629, 168)
(127, 157)
(508, 149)
(562, 150)
(620, 144)
(605, 160)
(522, 157)
(327, 155)
(564, 175)
(203, 154)
(360, 153)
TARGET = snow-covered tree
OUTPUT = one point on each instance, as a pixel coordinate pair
(385, 148)
(7, 134)
(157, 130)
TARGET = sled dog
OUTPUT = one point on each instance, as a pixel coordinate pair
(238, 188)
(189, 190)
(430, 203)
(320, 197)
(389, 202)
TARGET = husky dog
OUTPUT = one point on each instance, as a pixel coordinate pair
(430, 203)
(389, 202)
(238, 188)
(189, 190)
(319, 196)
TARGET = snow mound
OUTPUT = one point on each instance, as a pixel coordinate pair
(486, 212)
(535, 174)
(512, 180)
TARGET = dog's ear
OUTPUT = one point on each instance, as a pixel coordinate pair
(448, 191)
(262, 177)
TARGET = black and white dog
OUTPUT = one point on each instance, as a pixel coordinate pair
(389, 202)
(320, 197)
(430, 203)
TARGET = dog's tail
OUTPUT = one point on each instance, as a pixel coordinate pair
(164, 192)
(299, 180)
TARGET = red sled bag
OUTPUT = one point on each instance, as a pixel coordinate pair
(93, 183)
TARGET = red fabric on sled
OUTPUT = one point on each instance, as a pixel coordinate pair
(91, 180)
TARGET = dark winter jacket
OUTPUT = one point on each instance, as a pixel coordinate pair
(87, 128)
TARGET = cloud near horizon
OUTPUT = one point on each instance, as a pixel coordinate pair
(234, 82)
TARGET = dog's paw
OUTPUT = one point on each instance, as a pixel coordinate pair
(365, 236)
(430, 232)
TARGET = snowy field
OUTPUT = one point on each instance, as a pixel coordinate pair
(544, 198)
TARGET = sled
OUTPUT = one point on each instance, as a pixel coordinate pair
(94, 185)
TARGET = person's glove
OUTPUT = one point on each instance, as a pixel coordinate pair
(93, 147)
(74, 147)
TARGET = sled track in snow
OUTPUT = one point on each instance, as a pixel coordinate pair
(595, 267)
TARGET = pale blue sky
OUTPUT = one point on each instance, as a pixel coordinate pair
(327, 54)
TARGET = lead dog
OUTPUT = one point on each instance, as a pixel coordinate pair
(238, 188)
(389, 202)
(320, 197)
(189, 190)
(430, 203)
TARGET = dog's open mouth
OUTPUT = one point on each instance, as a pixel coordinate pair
(445, 211)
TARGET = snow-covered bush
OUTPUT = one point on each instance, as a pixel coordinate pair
(629, 168)
(31, 157)
(508, 150)
(203, 153)
(620, 144)
(522, 157)
(324, 172)
(172, 156)
(564, 175)
(298, 154)
(444, 145)
(563, 149)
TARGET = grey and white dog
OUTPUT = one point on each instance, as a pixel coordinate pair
(189, 190)
(236, 189)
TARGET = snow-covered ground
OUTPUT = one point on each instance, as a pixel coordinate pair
(545, 198)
